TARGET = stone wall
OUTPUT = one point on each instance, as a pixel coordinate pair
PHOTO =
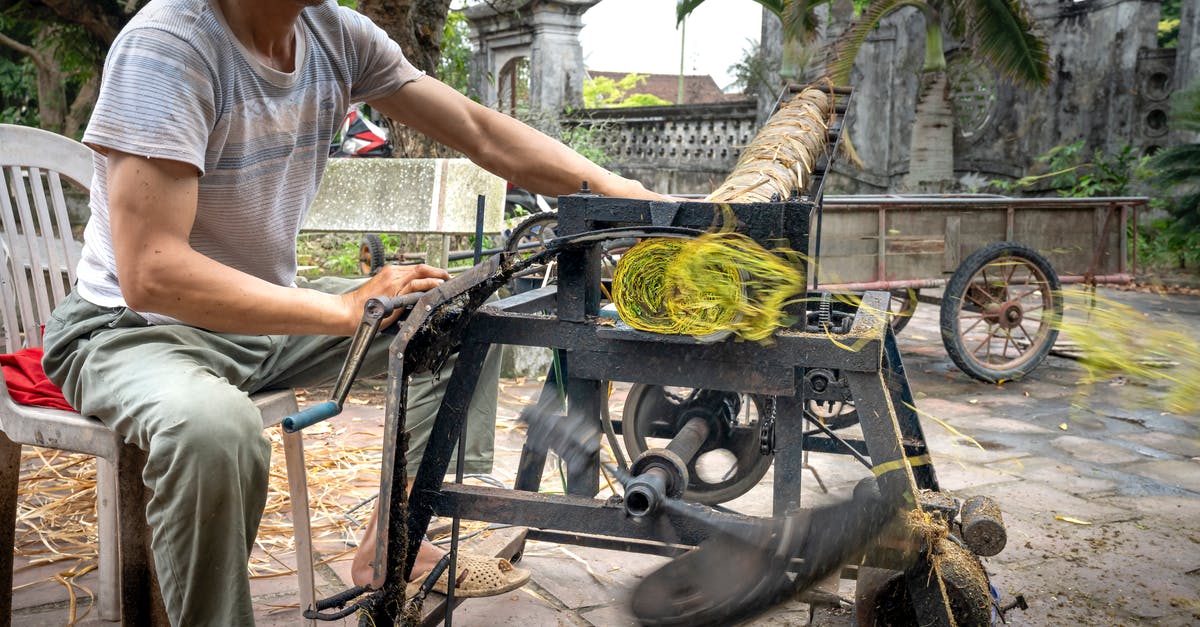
(687, 149)
(1110, 86)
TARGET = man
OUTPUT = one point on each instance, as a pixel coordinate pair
(211, 130)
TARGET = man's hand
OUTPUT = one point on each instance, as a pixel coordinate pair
(389, 282)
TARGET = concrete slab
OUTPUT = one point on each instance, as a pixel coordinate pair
(1096, 451)
(1182, 474)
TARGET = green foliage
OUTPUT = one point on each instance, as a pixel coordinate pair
(18, 104)
(1168, 25)
(456, 52)
(585, 139)
(1166, 244)
(603, 91)
(751, 73)
(344, 260)
(1064, 171)
(1176, 170)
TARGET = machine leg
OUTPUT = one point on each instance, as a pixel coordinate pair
(585, 396)
(789, 454)
(881, 430)
(910, 426)
(447, 429)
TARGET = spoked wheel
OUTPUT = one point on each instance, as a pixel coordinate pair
(1000, 312)
(728, 464)
(901, 308)
(530, 237)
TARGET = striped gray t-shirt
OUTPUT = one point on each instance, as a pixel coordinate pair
(178, 85)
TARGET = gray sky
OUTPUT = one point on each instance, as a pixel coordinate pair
(640, 36)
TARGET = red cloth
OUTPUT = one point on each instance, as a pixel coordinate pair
(27, 383)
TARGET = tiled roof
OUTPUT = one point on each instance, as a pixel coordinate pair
(697, 89)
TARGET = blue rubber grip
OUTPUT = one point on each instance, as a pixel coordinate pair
(310, 416)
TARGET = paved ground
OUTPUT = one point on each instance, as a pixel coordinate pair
(1125, 474)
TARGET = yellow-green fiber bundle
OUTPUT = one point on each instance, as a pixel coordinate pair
(717, 282)
(1117, 340)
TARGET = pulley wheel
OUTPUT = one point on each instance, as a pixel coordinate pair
(726, 467)
(832, 414)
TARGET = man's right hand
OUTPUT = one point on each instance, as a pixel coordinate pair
(389, 282)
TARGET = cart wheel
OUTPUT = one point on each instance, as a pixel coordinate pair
(1000, 312)
(902, 307)
(370, 254)
(729, 462)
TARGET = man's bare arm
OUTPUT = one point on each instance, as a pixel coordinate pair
(501, 144)
(152, 206)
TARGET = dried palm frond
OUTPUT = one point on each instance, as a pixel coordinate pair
(781, 157)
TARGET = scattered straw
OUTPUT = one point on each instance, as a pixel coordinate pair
(56, 506)
(1115, 340)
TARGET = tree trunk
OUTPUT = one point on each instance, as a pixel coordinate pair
(81, 106)
(417, 26)
(51, 90)
(931, 144)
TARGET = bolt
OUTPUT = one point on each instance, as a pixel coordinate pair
(1018, 603)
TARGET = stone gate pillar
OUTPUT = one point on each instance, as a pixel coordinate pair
(544, 33)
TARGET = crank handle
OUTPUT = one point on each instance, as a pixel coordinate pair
(374, 312)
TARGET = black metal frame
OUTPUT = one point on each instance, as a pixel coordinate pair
(566, 318)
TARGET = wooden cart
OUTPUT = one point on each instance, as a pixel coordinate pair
(1000, 263)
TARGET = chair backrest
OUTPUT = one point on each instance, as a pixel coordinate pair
(38, 254)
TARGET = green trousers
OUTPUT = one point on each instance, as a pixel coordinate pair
(182, 395)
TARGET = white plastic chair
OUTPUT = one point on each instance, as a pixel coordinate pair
(37, 267)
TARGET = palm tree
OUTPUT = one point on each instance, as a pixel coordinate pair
(998, 31)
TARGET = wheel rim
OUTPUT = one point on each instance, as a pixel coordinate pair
(1006, 313)
(724, 469)
(901, 308)
(833, 414)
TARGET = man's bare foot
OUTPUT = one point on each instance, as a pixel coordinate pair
(362, 570)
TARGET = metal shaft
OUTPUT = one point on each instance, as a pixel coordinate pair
(665, 472)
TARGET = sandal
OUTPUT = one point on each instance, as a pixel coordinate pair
(477, 577)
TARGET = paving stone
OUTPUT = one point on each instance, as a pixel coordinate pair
(1167, 443)
(1096, 451)
(564, 572)
(615, 615)
(1007, 425)
(954, 475)
(1184, 474)
(1079, 481)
